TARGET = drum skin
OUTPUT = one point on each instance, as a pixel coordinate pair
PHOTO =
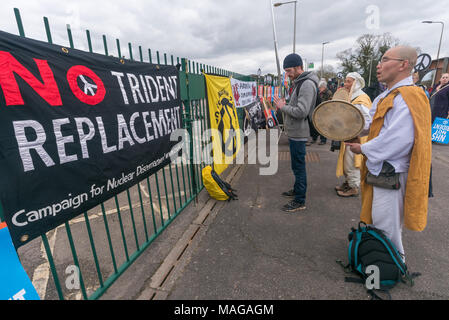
(338, 120)
(341, 94)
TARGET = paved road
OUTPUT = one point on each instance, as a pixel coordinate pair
(252, 250)
(34, 258)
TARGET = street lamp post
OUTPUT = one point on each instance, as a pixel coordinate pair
(278, 4)
(322, 58)
(370, 71)
(439, 47)
(275, 43)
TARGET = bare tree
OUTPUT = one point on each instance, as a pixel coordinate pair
(328, 72)
(347, 59)
(366, 54)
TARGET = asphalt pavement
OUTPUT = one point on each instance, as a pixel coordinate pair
(250, 250)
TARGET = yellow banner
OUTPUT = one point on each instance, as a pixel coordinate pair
(226, 138)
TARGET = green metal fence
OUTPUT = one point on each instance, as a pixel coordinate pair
(117, 231)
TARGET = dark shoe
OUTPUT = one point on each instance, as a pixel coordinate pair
(351, 192)
(309, 143)
(293, 206)
(289, 194)
(342, 187)
(321, 143)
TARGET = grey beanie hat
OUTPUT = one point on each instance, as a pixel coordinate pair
(292, 60)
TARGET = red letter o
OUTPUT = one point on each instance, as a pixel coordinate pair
(72, 77)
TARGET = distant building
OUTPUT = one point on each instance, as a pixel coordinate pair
(426, 77)
(443, 67)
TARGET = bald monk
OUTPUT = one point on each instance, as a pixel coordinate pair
(400, 135)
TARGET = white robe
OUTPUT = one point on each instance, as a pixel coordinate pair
(393, 144)
(396, 138)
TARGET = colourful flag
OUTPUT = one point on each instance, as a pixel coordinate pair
(14, 283)
(260, 93)
(226, 138)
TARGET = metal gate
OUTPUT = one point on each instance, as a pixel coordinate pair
(117, 231)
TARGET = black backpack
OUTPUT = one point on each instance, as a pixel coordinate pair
(317, 100)
(370, 247)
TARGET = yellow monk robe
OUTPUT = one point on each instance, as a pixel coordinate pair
(417, 188)
(365, 100)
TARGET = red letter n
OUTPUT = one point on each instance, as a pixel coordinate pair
(47, 89)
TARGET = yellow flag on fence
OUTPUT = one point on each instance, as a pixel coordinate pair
(226, 138)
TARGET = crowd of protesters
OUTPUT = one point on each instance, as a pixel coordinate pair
(438, 96)
(396, 135)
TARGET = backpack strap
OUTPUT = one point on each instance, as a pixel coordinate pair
(298, 87)
(374, 293)
(375, 296)
(301, 82)
(408, 278)
(347, 268)
(225, 187)
(354, 280)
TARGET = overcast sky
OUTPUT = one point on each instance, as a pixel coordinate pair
(233, 35)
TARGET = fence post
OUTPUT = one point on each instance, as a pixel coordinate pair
(188, 125)
(69, 35)
(19, 22)
(192, 111)
(47, 30)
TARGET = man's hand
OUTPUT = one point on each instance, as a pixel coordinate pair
(354, 140)
(279, 103)
(355, 147)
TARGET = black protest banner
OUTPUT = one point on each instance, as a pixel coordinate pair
(77, 128)
(256, 115)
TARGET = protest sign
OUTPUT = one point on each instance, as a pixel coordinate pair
(77, 128)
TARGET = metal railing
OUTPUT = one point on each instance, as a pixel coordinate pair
(103, 242)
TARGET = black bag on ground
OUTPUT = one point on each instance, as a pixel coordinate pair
(369, 247)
